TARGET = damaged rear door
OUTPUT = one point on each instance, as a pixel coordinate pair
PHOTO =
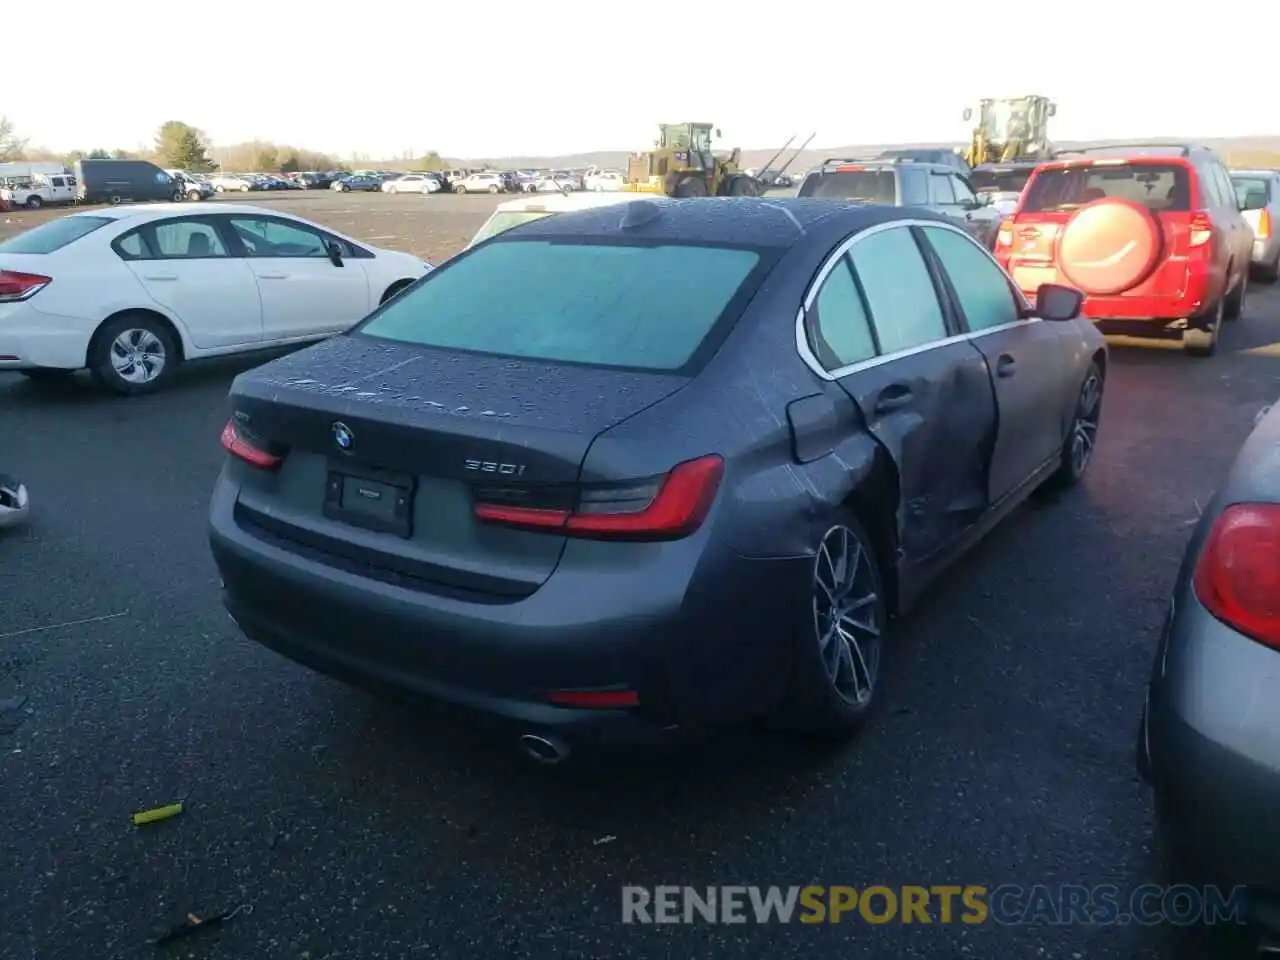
(926, 396)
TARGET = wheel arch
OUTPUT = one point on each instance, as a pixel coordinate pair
(875, 501)
(178, 338)
(395, 288)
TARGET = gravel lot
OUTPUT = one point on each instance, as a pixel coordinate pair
(359, 829)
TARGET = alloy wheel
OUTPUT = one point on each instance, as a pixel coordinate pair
(846, 608)
(1084, 432)
(138, 356)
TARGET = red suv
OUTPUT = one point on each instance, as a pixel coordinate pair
(1152, 235)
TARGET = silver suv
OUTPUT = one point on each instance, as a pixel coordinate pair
(903, 182)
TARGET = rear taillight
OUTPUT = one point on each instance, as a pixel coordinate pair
(1201, 229)
(1238, 575)
(662, 508)
(1264, 224)
(238, 442)
(21, 286)
(1004, 237)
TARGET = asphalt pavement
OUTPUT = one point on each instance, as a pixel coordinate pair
(356, 828)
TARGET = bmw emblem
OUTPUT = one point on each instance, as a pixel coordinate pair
(343, 436)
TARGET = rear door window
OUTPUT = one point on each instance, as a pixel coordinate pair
(900, 293)
(577, 302)
(1157, 186)
(1000, 181)
(867, 186)
(839, 329)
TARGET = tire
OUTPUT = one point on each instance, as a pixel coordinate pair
(219, 189)
(1077, 448)
(460, 189)
(143, 331)
(835, 685)
(194, 196)
(245, 188)
(741, 187)
(343, 188)
(33, 202)
(177, 196)
(1235, 305)
(114, 200)
(495, 189)
(1204, 343)
(691, 187)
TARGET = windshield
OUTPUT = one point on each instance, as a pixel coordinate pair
(576, 302)
(53, 235)
(505, 220)
(865, 186)
(1156, 186)
(1252, 192)
(1000, 181)
(1005, 120)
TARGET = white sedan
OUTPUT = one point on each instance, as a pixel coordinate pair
(129, 292)
(412, 183)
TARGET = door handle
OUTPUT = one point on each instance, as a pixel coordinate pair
(1006, 366)
(273, 276)
(161, 276)
(893, 397)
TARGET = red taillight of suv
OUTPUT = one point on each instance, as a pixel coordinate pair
(1200, 229)
(663, 508)
(1238, 575)
(15, 285)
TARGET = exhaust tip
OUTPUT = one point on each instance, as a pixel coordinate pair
(544, 749)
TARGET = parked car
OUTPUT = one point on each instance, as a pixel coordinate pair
(1151, 232)
(1258, 192)
(1209, 742)
(552, 183)
(906, 183)
(366, 184)
(118, 181)
(565, 502)
(512, 213)
(604, 180)
(132, 291)
(312, 180)
(411, 183)
(487, 182)
(224, 182)
(194, 186)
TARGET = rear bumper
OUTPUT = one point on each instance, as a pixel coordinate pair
(1266, 253)
(1213, 731)
(32, 340)
(703, 649)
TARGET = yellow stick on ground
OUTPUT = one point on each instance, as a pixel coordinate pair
(159, 813)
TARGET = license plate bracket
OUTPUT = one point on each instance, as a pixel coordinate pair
(369, 498)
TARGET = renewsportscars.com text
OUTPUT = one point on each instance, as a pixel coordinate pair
(1009, 904)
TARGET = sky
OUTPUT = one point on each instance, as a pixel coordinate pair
(399, 78)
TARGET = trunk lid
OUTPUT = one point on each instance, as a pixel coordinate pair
(426, 427)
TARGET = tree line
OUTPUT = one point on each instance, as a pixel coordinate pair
(181, 146)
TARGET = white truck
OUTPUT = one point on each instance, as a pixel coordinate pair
(35, 191)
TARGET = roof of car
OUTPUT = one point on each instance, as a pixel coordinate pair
(154, 210)
(565, 203)
(717, 220)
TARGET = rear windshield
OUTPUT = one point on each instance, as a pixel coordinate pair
(53, 235)
(999, 181)
(1157, 186)
(501, 222)
(639, 306)
(1252, 192)
(869, 186)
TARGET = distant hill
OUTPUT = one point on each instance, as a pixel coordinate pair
(1239, 151)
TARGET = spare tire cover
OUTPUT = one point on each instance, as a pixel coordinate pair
(1109, 246)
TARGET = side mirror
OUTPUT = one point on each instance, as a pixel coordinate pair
(1053, 109)
(1059, 303)
(335, 254)
(718, 133)
(968, 113)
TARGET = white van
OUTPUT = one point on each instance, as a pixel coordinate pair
(34, 192)
(515, 212)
